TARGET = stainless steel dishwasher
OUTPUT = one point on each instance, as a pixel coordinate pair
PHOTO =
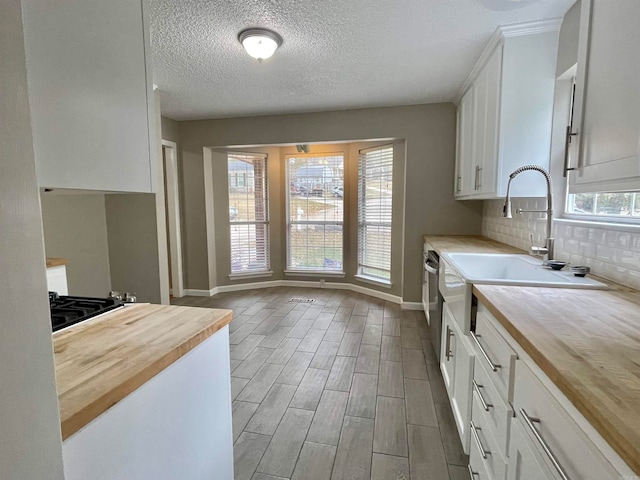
(431, 298)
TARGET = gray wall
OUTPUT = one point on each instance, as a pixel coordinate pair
(568, 41)
(75, 228)
(429, 132)
(30, 439)
(133, 245)
(169, 129)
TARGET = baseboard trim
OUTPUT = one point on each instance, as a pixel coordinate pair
(306, 284)
(411, 306)
(192, 292)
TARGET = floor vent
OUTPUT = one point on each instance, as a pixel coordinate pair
(302, 300)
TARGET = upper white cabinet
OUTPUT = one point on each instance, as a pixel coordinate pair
(606, 156)
(506, 112)
(90, 93)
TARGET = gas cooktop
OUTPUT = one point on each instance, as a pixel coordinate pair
(67, 311)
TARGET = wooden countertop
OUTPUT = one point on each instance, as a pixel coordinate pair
(55, 262)
(101, 361)
(588, 343)
(468, 244)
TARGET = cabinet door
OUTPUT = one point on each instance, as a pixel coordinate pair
(487, 158)
(90, 93)
(607, 108)
(462, 396)
(448, 349)
(464, 165)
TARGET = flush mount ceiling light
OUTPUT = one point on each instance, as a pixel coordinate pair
(260, 43)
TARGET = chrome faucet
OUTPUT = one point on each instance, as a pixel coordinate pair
(547, 251)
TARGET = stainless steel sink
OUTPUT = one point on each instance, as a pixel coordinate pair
(507, 269)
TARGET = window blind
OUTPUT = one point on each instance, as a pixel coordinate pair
(375, 185)
(315, 210)
(248, 212)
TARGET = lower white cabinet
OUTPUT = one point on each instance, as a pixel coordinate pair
(549, 430)
(178, 425)
(457, 370)
(525, 463)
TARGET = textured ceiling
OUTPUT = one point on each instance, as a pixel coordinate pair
(337, 54)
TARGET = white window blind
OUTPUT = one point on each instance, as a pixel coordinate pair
(315, 212)
(248, 212)
(375, 184)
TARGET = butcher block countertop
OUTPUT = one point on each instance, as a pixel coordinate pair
(468, 244)
(588, 343)
(101, 361)
(56, 262)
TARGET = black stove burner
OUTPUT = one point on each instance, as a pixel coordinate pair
(66, 311)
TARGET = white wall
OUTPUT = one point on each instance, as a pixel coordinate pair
(30, 442)
(75, 228)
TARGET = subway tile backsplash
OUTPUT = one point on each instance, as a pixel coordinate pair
(611, 253)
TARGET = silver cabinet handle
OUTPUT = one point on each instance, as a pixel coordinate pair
(485, 405)
(567, 142)
(475, 183)
(447, 346)
(529, 422)
(492, 366)
(472, 474)
(476, 437)
(458, 179)
(479, 177)
(430, 269)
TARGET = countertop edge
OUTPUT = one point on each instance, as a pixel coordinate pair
(84, 416)
(55, 262)
(626, 450)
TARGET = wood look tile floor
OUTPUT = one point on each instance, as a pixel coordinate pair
(346, 387)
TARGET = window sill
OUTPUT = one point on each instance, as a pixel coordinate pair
(374, 281)
(247, 275)
(598, 222)
(313, 273)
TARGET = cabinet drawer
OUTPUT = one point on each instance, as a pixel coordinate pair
(554, 433)
(484, 441)
(525, 463)
(495, 354)
(476, 467)
(489, 403)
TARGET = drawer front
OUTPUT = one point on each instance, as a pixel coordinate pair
(477, 468)
(554, 433)
(495, 354)
(498, 413)
(483, 439)
(524, 461)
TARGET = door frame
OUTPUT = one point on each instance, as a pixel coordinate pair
(170, 165)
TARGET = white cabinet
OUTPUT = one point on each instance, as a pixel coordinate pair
(506, 112)
(456, 363)
(464, 183)
(90, 94)
(448, 349)
(525, 463)
(560, 444)
(606, 156)
(176, 426)
(57, 280)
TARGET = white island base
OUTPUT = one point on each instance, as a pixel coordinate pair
(175, 426)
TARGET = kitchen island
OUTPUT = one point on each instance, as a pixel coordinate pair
(144, 392)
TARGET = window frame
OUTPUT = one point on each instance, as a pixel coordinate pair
(360, 274)
(253, 272)
(310, 272)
